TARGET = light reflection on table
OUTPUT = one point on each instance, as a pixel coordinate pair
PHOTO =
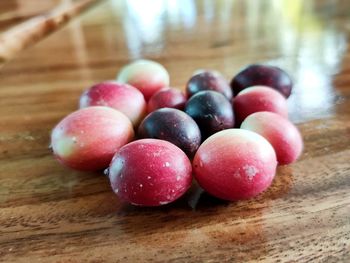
(307, 45)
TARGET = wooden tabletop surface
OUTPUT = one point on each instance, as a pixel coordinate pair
(49, 213)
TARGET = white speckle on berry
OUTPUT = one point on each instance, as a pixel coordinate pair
(250, 171)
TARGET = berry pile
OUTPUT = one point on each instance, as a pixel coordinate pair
(183, 134)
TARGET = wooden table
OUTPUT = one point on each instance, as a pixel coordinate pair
(49, 213)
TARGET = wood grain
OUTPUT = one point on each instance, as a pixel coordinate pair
(49, 213)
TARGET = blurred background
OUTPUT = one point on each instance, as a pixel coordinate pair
(306, 38)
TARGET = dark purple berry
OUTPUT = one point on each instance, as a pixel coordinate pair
(208, 80)
(174, 126)
(211, 110)
(264, 75)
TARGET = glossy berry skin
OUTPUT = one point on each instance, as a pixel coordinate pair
(280, 132)
(264, 75)
(150, 172)
(88, 138)
(167, 98)
(174, 126)
(119, 96)
(211, 110)
(208, 80)
(235, 164)
(259, 98)
(146, 75)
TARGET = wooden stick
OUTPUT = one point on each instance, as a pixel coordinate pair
(31, 31)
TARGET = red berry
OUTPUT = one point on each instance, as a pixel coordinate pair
(259, 98)
(150, 172)
(280, 132)
(235, 164)
(119, 96)
(146, 75)
(88, 138)
(167, 98)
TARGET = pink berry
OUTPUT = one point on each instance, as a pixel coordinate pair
(146, 75)
(167, 98)
(235, 164)
(120, 96)
(280, 132)
(150, 172)
(259, 98)
(88, 138)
